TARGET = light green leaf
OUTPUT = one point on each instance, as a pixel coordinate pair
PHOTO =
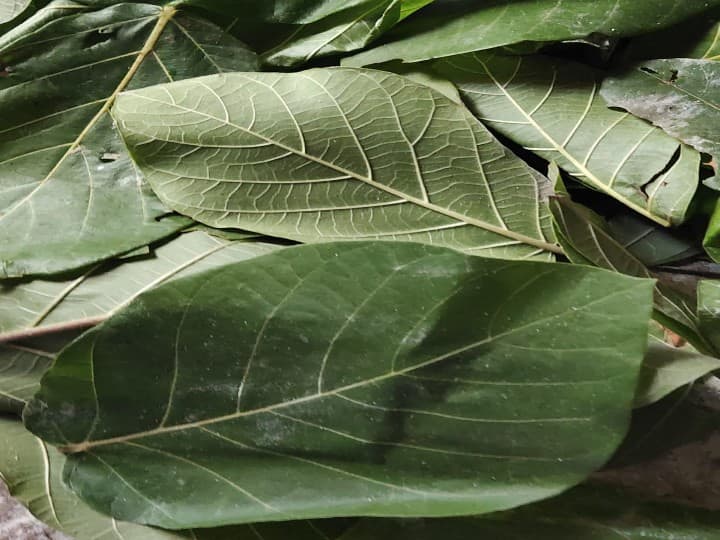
(335, 154)
(44, 306)
(33, 472)
(680, 95)
(408, 7)
(586, 240)
(344, 31)
(69, 194)
(651, 244)
(450, 28)
(330, 387)
(20, 372)
(711, 241)
(667, 368)
(553, 108)
(708, 308)
(585, 513)
(9, 9)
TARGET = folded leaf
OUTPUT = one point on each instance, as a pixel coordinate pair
(447, 28)
(316, 381)
(587, 513)
(69, 194)
(334, 154)
(680, 95)
(33, 471)
(44, 306)
(552, 107)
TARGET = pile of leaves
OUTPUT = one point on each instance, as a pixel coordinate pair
(356, 269)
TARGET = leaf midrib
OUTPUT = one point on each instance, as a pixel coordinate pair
(377, 185)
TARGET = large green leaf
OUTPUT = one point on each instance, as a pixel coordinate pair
(332, 154)
(69, 194)
(316, 381)
(9, 9)
(585, 513)
(680, 95)
(552, 107)
(451, 27)
(344, 31)
(44, 306)
(33, 472)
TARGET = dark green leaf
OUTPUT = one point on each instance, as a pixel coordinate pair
(70, 196)
(552, 107)
(316, 381)
(20, 372)
(680, 95)
(447, 28)
(333, 154)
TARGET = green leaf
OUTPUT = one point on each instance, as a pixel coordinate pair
(711, 241)
(328, 386)
(587, 513)
(652, 245)
(33, 472)
(667, 368)
(70, 194)
(552, 107)
(44, 306)
(680, 95)
(455, 27)
(10, 9)
(344, 31)
(586, 240)
(408, 7)
(708, 308)
(20, 372)
(335, 154)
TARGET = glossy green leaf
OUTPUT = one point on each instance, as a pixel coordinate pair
(344, 31)
(329, 387)
(651, 244)
(335, 154)
(585, 513)
(33, 472)
(680, 95)
(447, 28)
(553, 108)
(667, 368)
(9, 9)
(69, 194)
(43, 306)
(586, 240)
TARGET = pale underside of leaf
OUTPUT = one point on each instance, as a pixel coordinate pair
(64, 168)
(43, 306)
(553, 108)
(440, 413)
(334, 154)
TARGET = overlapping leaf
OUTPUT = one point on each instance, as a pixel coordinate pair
(9, 9)
(447, 28)
(585, 513)
(329, 386)
(69, 194)
(20, 372)
(43, 306)
(680, 95)
(33, 471)
(553, 108)
(334, 154)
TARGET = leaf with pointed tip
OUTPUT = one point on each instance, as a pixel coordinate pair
(33, 472)
(334, 154)
(344, 31)
(680, 95)
(552, 107)
(455, 27)
(69, 194)
(328, 386)
(585, 240)
(587, 513)
(667, 367)
(43, 306)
